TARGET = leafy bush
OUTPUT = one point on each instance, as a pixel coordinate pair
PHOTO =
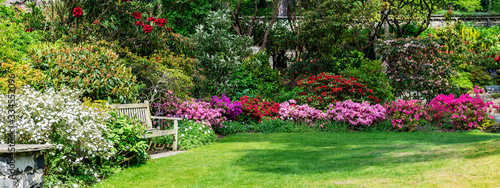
(95, 70)
(232, 127)
(357, 114)
(14, 45)
(335, 63)
(185, 15)
(256, 77)
(463, 81)
(255, 109)
(82, 151)
(161, 73)
(193, 134)
(416, 68)
(371, 73)
(275, 125)
(126, 134)
(220, 52)
(325, 88)
(405, 115)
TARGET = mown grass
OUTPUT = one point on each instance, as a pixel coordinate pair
(356, 159)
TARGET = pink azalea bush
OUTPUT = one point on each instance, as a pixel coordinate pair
(202, 112)
(405, 115)
(198, 110)
(301, 113)
(356, 113)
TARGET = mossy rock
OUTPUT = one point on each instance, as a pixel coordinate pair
(493, 128)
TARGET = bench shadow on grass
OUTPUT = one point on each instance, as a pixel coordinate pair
(310, 155)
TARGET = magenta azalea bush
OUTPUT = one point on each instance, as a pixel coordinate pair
(301, 113)
(229, 109)
(405, 115)
(465, 112)
(356, 113)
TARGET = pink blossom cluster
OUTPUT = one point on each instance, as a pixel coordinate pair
(404, 115)
(465, 112)
(356, 113)
(202, 112)
(301, 113)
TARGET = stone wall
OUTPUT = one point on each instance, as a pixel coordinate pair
(28, 170)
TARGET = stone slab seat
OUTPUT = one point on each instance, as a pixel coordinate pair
(142, 112)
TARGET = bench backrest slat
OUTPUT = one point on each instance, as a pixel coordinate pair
(140, 111)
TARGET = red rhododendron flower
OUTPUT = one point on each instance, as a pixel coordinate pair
(160, 22)
(147, 28)
(77, 12)
(137, 15)
(28, 30)
(139, 23)
(151, 19)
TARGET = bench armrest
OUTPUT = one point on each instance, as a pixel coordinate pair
(167, 118)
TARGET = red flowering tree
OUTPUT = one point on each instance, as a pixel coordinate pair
(326, 88)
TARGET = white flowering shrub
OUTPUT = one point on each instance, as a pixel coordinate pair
(81, 152)
(193, 134)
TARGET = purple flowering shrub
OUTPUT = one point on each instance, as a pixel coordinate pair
(229, 109)
(405, 115)
(301, 113)
(356, 113)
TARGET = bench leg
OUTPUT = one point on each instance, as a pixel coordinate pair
(176, 138)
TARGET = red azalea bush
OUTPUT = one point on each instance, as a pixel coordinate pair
(254, 109)
(325, 89)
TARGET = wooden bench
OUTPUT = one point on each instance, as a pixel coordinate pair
(141, 111)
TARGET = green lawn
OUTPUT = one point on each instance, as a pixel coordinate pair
(327, 160)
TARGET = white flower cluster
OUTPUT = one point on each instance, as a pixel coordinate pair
(57, 118)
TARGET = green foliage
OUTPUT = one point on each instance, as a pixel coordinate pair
(126, 135)
(463, 81)
(95, 70)
(193, 135)
(269, 125)
(479, 76)
(469, 5)
(371, 73)
(14, 45)
(335, 63)
(219, 53)
(232, 127)
(255, 77)
(184, 15)
(339, 25)
(162, 72)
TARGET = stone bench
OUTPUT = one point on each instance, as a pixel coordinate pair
(28, 165)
